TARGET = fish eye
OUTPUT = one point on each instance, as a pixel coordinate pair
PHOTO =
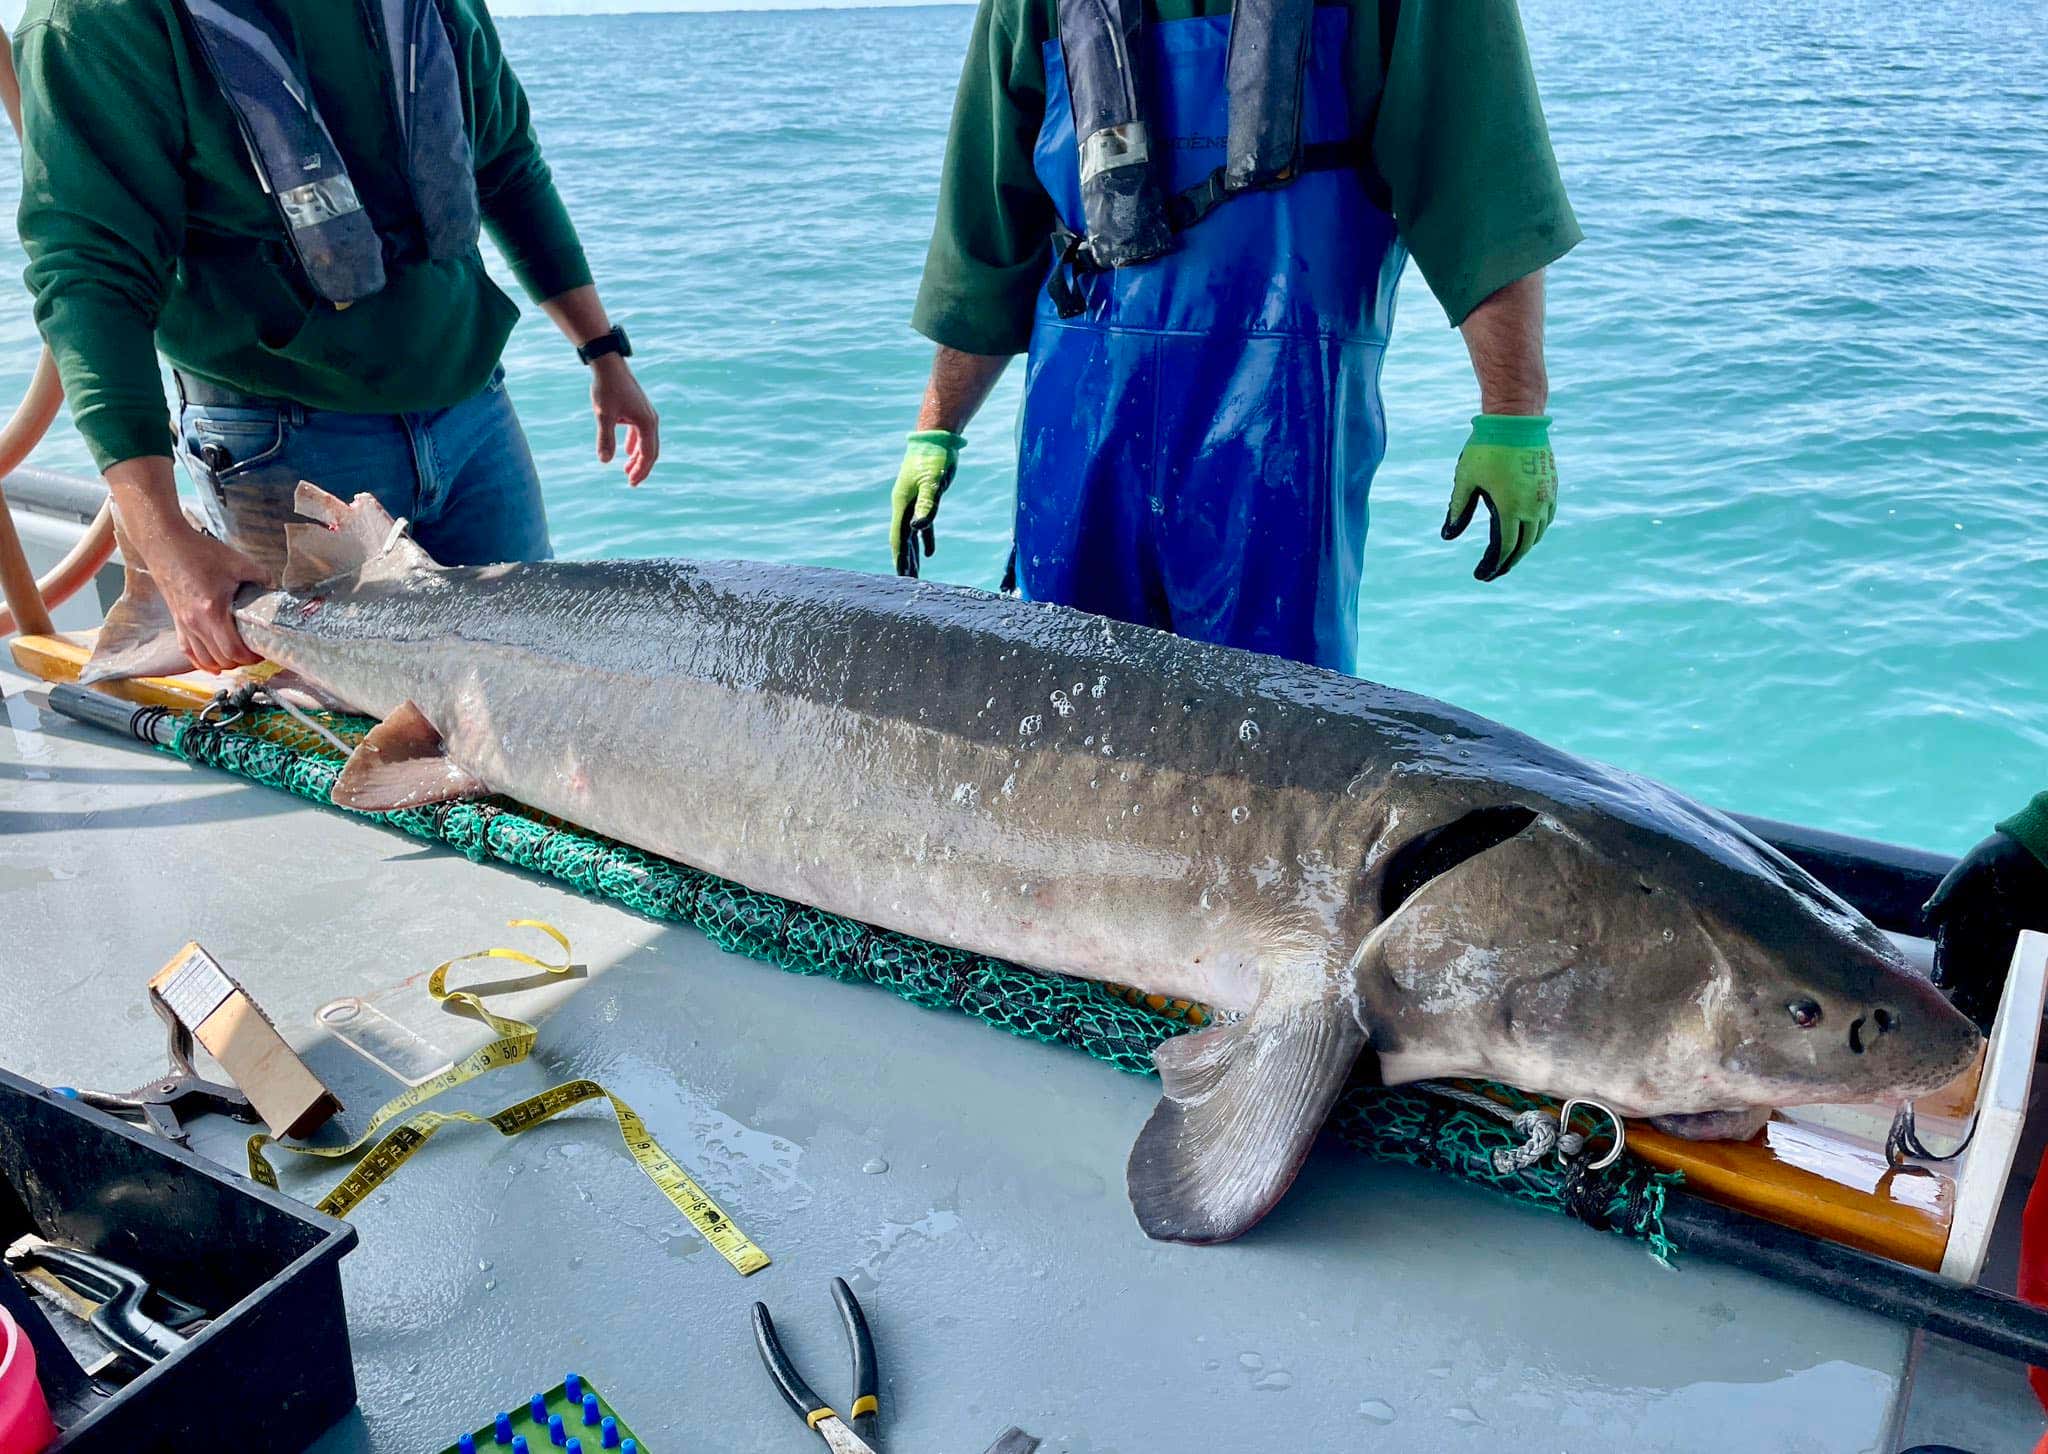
(1805, 1013)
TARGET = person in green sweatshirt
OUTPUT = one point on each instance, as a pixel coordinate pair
(1976, 915)
(1193, 219)
(284, 199)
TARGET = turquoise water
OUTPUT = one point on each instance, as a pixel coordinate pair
(1800, 372)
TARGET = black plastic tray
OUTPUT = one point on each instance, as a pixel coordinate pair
(273, 1370)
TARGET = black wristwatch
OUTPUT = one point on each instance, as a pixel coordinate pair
(613, 342)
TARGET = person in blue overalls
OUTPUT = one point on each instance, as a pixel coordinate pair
(1194, 218)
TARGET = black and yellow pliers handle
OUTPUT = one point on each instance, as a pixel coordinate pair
(859, 1432)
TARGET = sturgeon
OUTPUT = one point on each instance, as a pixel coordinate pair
(1338, 867)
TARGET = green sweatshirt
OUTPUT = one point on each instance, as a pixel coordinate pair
(1448, 110)
(2030, 826)
(142, 215)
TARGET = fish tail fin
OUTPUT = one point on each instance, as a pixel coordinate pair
(138, 638)
(351, 538)
(1242, 1105)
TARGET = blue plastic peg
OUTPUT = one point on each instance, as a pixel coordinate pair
(610, 1430)
(501, 1431)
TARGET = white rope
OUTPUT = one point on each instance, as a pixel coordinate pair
(318, 730)
(1540, 1131)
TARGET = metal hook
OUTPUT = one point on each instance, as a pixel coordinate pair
(1564, 1126)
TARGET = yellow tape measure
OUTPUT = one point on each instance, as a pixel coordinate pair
(514, 1044)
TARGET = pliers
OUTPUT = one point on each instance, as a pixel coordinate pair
(163, 1104)
(859, 1432)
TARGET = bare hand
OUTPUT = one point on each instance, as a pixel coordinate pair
(199, 577)
(617, 398)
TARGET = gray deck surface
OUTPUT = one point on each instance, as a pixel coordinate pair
(1379, 1308)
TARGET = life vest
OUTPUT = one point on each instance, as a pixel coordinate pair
(1128, 216)
(336, 242)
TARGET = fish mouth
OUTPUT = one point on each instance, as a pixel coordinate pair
(1933, 1077)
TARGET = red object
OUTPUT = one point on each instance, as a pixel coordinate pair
(25, 1426)
(2033, 1280)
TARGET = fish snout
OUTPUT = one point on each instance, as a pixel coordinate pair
(1920, 1039)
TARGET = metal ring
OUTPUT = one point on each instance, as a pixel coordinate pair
(223, 701)
(1564, 1126)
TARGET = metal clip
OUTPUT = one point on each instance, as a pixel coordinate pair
(1564, 1126)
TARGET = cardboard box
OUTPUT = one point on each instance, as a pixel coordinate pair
(235, 1032)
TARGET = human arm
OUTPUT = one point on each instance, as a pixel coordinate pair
(990, 249)
(959, 384)
(197, 574)
(1507, 461)
(1504, 337)
(1999, 888)
(615, 395)
(101, 217)
(531, 226)
(1459, 140)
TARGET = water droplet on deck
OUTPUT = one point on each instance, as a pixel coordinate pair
(1239, 813)
(1030, 725)
(1250, 1361)
(1273, 1380)
(874, 1166)
(1212, 1365)
(1461, 1414)
(1378, 1410)
(490, 1284)
(1248, 731)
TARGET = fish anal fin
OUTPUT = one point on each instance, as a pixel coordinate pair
(403, 763)
(1241, 1107)
(353, 538)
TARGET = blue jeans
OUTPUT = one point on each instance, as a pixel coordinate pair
(463, 475)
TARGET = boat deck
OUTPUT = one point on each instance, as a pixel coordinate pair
(967, 1183)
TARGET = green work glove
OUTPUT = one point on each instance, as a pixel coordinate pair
(928, 466)
(1507, 463)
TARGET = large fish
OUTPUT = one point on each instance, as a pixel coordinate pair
(1336, 865)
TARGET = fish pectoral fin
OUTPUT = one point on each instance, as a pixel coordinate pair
(403, 763)
(138, 637)
(1242, 1105)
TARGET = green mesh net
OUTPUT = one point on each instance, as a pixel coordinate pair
(1115, 1025)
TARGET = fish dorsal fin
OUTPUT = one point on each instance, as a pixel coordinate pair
(403, 763)
(357, 538)
(1242, 1105)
